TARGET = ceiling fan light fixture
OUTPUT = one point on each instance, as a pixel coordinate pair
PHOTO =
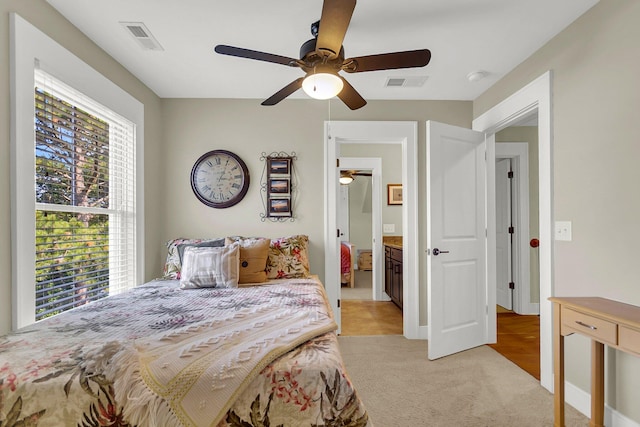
(322, 85)
(346, 179)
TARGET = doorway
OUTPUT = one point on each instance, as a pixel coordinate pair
(533, 98)
(365, 308)
(517, 284)
(360, 229)
(405, 135)
(518, 323)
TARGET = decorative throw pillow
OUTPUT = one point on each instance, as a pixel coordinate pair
(288, 257)
(215, 243)
(210, 267)
(173, 263)
(253, 258)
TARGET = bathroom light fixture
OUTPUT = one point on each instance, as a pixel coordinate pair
(322, 85)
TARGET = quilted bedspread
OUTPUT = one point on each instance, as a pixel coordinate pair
(64, 371)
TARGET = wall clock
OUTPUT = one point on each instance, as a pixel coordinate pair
(220, 179)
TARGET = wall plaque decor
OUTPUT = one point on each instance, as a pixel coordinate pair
(278, 185)
(394, 194)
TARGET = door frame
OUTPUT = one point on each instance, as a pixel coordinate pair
(374, 164)
(404, 133)
(518, 152)
(536, 96)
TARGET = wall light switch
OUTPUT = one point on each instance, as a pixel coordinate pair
(388, 228)
(563, 230)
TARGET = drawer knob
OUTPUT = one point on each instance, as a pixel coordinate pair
(586, 326)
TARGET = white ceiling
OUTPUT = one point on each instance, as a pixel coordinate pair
(464, 36)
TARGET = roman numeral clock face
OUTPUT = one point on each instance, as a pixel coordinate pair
(220, 179)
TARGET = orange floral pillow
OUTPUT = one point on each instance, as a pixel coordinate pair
(288, 257)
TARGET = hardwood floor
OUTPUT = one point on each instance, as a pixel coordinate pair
(519, 341)
(518, 336)
(370, 318)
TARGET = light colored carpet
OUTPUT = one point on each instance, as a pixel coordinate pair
(475, 388)
(362, 287)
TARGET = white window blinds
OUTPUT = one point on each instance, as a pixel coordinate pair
(85, 199)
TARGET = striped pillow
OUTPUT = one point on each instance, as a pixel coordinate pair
(210, 267)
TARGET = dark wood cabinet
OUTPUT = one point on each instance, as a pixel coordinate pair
(393, 274)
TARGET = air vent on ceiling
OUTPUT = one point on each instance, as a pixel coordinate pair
(413, 81)
(142, 35)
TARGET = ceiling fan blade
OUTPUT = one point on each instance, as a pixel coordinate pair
(362, 174)
(350, 96)
(336, 15)
(254, 54)
(388, 61)
(284, 92)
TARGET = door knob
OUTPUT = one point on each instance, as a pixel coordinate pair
(437, 252)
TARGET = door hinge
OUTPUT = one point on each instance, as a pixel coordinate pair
(512, 285)
(338, 233)
(486, 309)
(337, 163)
(511, 230)
(338, 303)
(510, 175)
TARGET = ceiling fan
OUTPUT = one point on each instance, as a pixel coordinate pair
(347, 176)
(322, 57)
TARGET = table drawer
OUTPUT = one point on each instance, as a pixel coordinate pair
(599, 329)
(629, 339)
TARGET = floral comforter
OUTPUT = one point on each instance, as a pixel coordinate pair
(55, 373)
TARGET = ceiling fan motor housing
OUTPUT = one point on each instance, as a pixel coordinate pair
(313, 58)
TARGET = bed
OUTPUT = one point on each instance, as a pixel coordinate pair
(347, 261)
(163, 355)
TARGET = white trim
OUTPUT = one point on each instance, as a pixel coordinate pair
(490, 209)
(519, 153)
(406, 134)
(535, 96)
(29, 46)
(581, 401)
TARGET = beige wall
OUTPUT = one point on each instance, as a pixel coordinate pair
(192, 127)
(44, 17)
(596, 103)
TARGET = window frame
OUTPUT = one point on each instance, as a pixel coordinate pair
(30, 46)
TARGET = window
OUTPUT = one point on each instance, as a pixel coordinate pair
(77, 205)
(85, 188)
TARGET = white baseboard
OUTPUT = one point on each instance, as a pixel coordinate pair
(533, 308)
(423, 332)
(581, 400)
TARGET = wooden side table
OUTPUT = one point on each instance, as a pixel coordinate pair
(605, 321)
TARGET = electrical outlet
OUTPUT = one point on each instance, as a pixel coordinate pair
(388, 228)
(563, 230)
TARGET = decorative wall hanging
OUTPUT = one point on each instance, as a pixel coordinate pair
(278, 186)
(394, 194)
(220, 179)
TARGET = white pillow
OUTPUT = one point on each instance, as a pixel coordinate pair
(210, 267)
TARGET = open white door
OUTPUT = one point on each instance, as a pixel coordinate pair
(504, 274)
(456, 239)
